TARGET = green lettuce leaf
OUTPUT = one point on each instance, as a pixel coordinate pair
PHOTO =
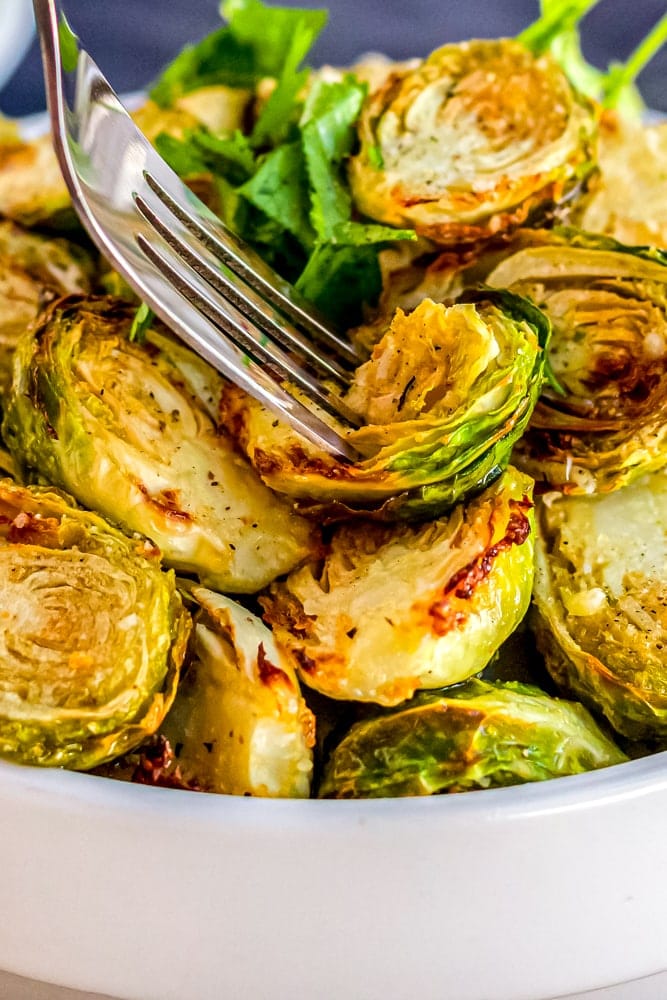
(283, 188)
(280, 189)
(257, 42)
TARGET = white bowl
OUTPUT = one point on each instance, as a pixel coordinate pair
(18, 27)
(509, 894)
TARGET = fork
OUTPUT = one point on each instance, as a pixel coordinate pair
(201, 279)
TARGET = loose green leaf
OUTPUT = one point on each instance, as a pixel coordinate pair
(231, 156)
(359, 234)
(141, 324)
(255, 43)
(181, 155)
(338, 280)
(280, 190)
(277, 115)
(218, 59)
(330, 196)
(271, 31)
(328, 135)
(331, 110)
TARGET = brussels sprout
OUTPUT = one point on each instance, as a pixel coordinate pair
(629, 202)
(478, 139)
(120, 427)
(32, 190)
(221, 109)
(239, 723)
(93, 633)
(600, 610)
(34, 270)
(395, 608)
(478, 735)
(608, 307)
(445, 394)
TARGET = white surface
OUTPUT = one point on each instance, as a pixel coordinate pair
(15, 988)
(509, 894)
(18, 27)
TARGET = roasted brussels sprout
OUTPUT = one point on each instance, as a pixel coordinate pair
(478, 139)
(608, 307)
(33, 271)
(445, 394)
(392, 609)
(221, 109)
(32, 190)
(93, 633)
(478, 735)
(119, 425)
(629, 201)
(600, 601)
(239, 723)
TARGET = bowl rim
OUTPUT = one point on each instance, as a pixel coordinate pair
(60, 788)
(631, 779)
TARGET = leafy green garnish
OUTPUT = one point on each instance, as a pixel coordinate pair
(338, 278)
(557, 31)
(274, 121)
(327, 135)
(218, 59)
(200, 152)
(141, 324)
(557, 18)
(257, 42)
(270, 31)
(280, 190)
(283, 187)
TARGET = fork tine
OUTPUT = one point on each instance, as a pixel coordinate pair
(242, 260)
(236, 325)
(103, 156)
(245, 299)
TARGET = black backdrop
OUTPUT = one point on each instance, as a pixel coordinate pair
(131, 39)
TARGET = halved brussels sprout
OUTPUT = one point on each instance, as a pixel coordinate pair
(601, 604)
(474, 142)
(629, 202)
(119, 426)
(395, 608)
(479, 735)
(221, 109)
(33, 271)
(239, 723)
(445, 394)
(93, 633)
(32, 189)
(608, 308)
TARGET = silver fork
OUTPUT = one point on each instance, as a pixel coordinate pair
(209, 287)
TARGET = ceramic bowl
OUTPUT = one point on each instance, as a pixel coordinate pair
(508, 894)
(18, 28)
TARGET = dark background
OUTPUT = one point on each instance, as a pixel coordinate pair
(132, 39)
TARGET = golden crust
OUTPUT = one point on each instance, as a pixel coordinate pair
(630, 202)
(472, 143)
